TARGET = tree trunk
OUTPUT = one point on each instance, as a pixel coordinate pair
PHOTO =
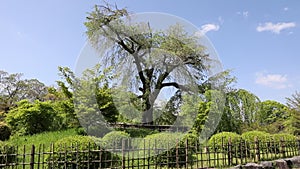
(148, 113)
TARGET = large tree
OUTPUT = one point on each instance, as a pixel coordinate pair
(153, 59)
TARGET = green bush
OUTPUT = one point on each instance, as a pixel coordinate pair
(7, 149)
(289, 141)
(284, 136)
(263, 141)
(260, 135)
(164, 146)
(32, 118)
(114, 139)
(80, 131)
(74, 150)
(220, 143)
(5, 132)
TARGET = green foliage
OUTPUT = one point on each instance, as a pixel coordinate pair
(271, 111)
(221, 141)
(284, 136)
(171, 110)
(260, 138)
(74, 146)
(271, 117)
(80, 131)
(292, 124)
(93, 102)
(114, 139)
(14, 88)
(161, 140)
(6, 148)
(130, 51)
(45, 138)
(5, 132)
(163, 148)
(32, 118)
(250, 136)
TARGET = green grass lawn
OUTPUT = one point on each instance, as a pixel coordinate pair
(43, 138)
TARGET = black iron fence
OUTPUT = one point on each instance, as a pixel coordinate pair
(127, 155)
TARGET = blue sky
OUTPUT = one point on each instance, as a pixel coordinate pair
(258, 40)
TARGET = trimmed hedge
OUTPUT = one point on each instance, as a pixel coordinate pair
(160, 142)
(260, 135)
(285, 137)
(220, 142)
(289, 141)
(73, 150)
(114, 139)
(223, 138)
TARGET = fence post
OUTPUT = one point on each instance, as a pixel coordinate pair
(123, 154)
(32, 157)
(229, 152)
(186, 154)
(256, 147)
(282, 146)
(177, 157)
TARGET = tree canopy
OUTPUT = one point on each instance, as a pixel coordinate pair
(149, 59)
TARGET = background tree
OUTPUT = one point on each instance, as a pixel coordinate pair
(271, 116)
(293, 122)
(91, 95)
(158, 59)
(32, 118)
(13, 89)
(94, 101)
(240, 111)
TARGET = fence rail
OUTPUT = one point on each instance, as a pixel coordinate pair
(127, 155)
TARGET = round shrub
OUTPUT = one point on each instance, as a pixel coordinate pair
(260, 135)
(289, 141)
(220, 142)
(263, 141)
(222, 139)
(75, 151)
(285, 137)
(114, 139)
(5, 132)
(164, 146)
(32, 118)
(161, 140)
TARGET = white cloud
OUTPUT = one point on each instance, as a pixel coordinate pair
(286, 9)
(206, 28)
(245, 14)
(275, 81)
(275, 28)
